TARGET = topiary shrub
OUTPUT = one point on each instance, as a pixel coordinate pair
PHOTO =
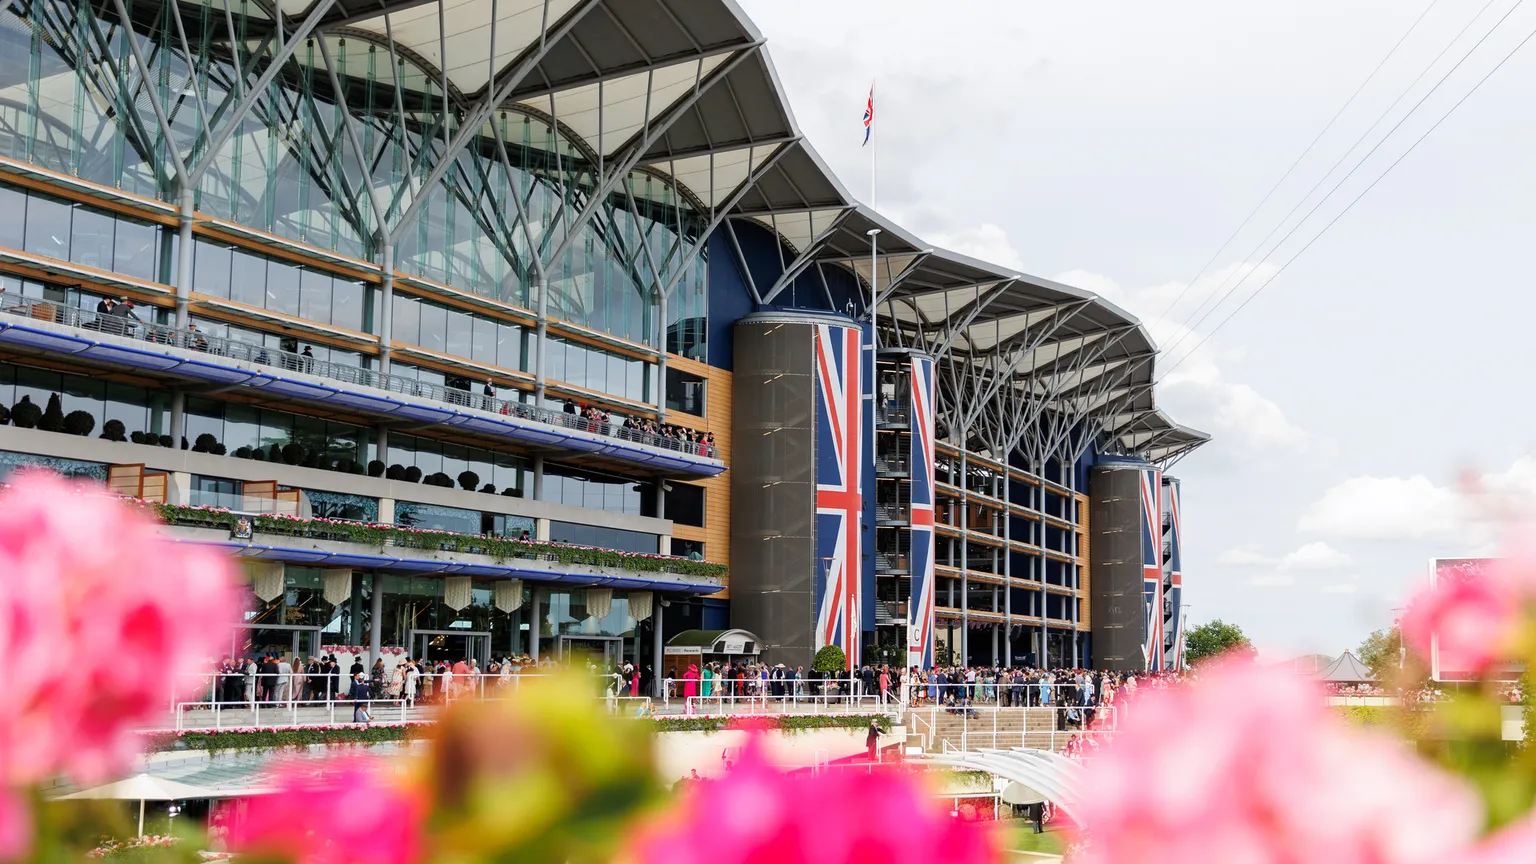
(830, 659)
(25, 413)
(137, 437)
(411, 475)
(359, 469)
(258, 455)
(441, 480)
(512, 492)
(5, 415)
(219, 449)
(242, 452)
(53, 416)
(204, 443)
(79, 423)
(375, 468)
(167, 441)
(275, 453)
(395, 472)
(468, 480)
(488, 489)
(184, 444)
(114, 430)
(345, 465)
(294, 453)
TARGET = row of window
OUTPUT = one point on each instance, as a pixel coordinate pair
(80, 235)
(279, 286)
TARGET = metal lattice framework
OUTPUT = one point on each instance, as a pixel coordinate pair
(680, 90)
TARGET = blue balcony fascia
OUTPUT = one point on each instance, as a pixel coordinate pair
(147, 356)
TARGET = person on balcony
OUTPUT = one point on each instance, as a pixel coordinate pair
(490, 395)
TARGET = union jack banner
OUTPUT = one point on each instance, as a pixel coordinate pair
(839, 499)
(1175, 577)
(1152, 564)
(920, 605)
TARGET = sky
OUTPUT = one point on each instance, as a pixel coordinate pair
(1359, 398)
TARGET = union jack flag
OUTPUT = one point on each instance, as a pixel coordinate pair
(1175, 576)
(869, 114)
(1152, 564)
(839, 499)
(920, 606)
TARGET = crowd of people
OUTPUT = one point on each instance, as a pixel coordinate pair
(636, 428)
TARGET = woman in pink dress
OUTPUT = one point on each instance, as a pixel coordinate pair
(691, 682)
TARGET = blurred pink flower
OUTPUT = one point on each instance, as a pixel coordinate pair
(1249, 766)
(1514, 844)
(756, 815)
(345, 810)
(1474, 616)
(100, 618)
(15, 827)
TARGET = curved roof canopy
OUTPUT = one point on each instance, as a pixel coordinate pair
(684, 88)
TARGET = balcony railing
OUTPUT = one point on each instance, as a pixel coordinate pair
(289, 361)
(893, 413)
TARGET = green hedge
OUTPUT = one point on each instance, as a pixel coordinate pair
(272, 739)
(500, 548)
(786, 723)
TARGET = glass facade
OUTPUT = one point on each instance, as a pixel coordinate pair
(606, 538)
(277, 285)
(460, 521)
(72, 101)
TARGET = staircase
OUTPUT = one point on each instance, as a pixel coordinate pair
(938, 731)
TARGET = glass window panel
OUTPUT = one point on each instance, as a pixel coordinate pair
(242, 426)
(125, 403)
(315, 296)
(575, 364)
(13, 217)
(347, 304)
(48, 227)
(405, 324)
(613, 381)
(84, 394)
(135, 253)
(282, 291)
(554, 355)
(91, 239)
(509, 346)
(434, 327)
(210, 271)
(484, 340)
(459, 334)
(248, 279)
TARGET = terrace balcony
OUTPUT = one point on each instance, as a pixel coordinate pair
(198, 359)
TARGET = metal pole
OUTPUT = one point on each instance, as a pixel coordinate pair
(661, 365)
(539, 283)
(178, 415)
(533, 627)
(184, 256)
(376, 617)
(386, 303)
(965, 556)
(657, 635)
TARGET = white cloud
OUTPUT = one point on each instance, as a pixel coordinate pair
(1386, 508)
(1418, 508)
(1196, 391)
(1341, 588)
(1316, 555)
(987, 242)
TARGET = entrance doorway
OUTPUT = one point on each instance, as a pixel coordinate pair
(604, 652)
(281, 640)
(451, 646)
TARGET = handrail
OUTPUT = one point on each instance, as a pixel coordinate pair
(290, 361)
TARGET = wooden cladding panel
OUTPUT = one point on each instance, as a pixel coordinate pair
(716, 532)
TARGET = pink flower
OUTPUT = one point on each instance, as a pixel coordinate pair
(1515, 844)
(756, 815)
(1474, 617)
(1249, 766)
(352, 810)
(101, 620)
(15, 827)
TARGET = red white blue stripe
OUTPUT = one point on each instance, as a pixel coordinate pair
(1152, 564)
(920, 607)
(869, 114)
(839, 500)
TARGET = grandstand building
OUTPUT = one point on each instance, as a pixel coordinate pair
(563, 281)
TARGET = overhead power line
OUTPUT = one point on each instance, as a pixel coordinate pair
(1304, 154)
(1507, 57)
(1221, 297)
